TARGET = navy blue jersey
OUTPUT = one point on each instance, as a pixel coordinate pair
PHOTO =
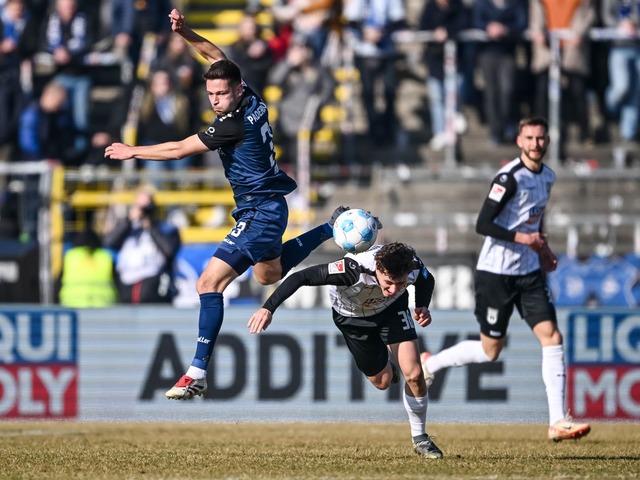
(244, 141)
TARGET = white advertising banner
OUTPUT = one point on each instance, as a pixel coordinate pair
(115, 365)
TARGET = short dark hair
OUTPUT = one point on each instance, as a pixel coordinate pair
(395, 259)
(224, 70)
(87, 238)
(534, 122)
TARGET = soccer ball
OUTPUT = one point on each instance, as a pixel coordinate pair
(355, 230)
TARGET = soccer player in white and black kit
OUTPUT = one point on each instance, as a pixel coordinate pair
(510, 273)
(370, 307)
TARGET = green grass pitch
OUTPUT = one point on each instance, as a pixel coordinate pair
(69, 450)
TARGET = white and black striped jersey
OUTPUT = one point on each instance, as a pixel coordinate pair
(354, 291)
(515, 203)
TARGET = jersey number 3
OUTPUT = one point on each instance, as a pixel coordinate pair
(407, 320)
(267, 138)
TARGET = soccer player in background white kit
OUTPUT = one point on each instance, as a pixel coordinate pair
(510, 273)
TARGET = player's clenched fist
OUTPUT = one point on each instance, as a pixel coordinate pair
(422, 315)
(177, 20)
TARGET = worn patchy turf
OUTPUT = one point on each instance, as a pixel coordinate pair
(61, 450)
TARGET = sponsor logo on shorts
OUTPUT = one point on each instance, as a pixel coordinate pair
(336, 267)
(493, 333)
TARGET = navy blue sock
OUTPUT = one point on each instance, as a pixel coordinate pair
(209, 323)
(297, 249)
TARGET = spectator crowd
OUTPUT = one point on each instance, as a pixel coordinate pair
(54, 53)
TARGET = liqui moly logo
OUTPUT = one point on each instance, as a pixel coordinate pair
(38, 364)
(603, 360)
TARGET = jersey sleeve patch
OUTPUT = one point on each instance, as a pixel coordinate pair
(336, 267)
(497, 192)
(222, 132)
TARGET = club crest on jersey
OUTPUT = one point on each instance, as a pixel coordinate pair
(336, 267)
(497, 192)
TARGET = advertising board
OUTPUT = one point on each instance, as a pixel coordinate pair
(115, 365)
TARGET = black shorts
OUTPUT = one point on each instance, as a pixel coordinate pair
(497, 294)
(367, 337)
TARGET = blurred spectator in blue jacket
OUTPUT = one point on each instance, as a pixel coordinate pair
(67, 39)
(47, 129)
(17, 34)
(623, 93)
(504, 22)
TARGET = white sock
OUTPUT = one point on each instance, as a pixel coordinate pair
(554, 378)
(196, 373)
(467, 351)
(417, 410)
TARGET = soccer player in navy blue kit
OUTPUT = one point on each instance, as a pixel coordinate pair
(242, 135)
(511, 273)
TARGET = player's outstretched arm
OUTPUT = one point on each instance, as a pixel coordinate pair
(260, 320)
(160, 152)
(203, 46)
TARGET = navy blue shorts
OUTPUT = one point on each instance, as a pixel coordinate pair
(257, 235)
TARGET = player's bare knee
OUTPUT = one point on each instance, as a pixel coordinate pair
(556, 338)
(380, 381)
(210, 284)
(492, 351)
(381, 384)
(493, 355)
(267, 278)
(204, 285)
(414, 378)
